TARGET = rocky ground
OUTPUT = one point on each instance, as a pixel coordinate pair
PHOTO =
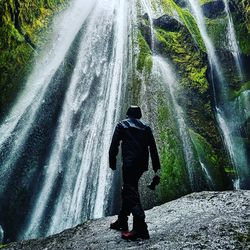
(205, 220)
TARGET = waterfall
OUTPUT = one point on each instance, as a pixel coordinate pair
(148, 9)
(225, 113)
(163, 69)
(74, 180)
(1, 234)
(209, 178)
(233, 45)
(14, 130)
(213, 59)
(93, 99)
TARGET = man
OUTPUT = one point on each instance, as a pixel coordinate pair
(137, 140)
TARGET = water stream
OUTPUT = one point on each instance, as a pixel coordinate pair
(227, 116)
(73, 182)
(233, 44)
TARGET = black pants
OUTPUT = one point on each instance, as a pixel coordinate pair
(131, 199)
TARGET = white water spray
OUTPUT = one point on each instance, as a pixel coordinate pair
(233, 45)
(20, 120)
(93, 99)
(225, 115)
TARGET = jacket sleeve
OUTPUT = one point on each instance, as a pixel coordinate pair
(114, 147)
(153, 151)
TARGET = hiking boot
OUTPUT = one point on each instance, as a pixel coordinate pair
(119, 225)
(133, 235)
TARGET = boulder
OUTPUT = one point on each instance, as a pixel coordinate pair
(213, 9)
(168, 23)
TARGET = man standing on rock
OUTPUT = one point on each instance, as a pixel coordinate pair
(137, 140)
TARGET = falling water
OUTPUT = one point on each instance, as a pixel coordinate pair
(14, 131)
(68, 180)
(164, 70)
(148, 9)
(197, 11)
(209, 178)
(225, 113)
(1, 234)
(233, 45)
(92, 101)
(75, 179)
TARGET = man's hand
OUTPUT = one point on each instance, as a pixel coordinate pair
(113, 167)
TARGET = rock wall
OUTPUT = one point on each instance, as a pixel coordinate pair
(177, 38)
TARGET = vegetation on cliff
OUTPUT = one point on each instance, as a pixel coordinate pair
(181, 42)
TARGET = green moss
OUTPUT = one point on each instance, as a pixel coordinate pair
(174, 178)
(217, 31)
(188, 60)
(198, 77)
(24, 24)
(171, 7)
(236, 93)
(204, 149)
(3, 246)
(209, 158)
(205, 1)
(135, 89)
(145, 56)
(242, 24)
(193, 28)
(230, 170)
(143, 65)
(243, 36)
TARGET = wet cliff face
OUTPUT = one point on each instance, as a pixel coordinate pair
(178, 38)
(24, 27)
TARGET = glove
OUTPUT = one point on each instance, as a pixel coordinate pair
(154, 183)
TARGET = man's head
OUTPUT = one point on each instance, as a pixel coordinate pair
(134, 112)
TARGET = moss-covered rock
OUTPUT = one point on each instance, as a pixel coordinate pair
(174, 176)
(209, 161)
(145, 56)
(213, 9)
(217, 31)
(244, 87)
(187, 53)
(241, 16)
(171, 8)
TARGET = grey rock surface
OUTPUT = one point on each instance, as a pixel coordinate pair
(205, 220)
(213, 9)
(168, 23)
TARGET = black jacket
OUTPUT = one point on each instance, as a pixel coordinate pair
(137, 140)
